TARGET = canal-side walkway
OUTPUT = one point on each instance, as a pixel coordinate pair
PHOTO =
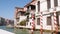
(5, 32)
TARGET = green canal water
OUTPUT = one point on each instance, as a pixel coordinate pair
(25, 31)
(7, 29)
(21, 31)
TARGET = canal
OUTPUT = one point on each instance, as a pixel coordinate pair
(7, 29)
(21, 31)
(26, 31)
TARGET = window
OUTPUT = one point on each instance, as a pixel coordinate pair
(38, 6)
(48, 4)
(26, 22)
(55, 3)
(49, 20)
(30, 23)
(57, 19)
(22, 13)
(38, 21)
(19, 13)
(17, 19)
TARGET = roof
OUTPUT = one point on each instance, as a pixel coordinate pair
(20, 9)
(29, 3)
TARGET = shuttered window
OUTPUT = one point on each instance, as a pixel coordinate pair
(38, 21)
(49, 20)
(38, 6)
(55, 3)
(48, 4)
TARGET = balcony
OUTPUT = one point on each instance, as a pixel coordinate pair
(31, 8)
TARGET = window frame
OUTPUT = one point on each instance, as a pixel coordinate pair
(49, 22)
(48, 4)
(55, 3)
(38, 6)
(38, 22)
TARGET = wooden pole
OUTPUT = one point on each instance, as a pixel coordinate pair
(32, 24)
(41, 23)
(55, 22)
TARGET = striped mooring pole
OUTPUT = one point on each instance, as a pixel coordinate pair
(32, 24)
(41, 23)
(55, 22)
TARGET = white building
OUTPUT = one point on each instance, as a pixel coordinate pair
(47, 7)
(19, 15)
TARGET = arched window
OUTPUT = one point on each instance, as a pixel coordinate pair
(48, 4)
(38, 6)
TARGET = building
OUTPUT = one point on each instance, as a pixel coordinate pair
(9, 22)
(47, 7)
(2, 21)
(19, 15)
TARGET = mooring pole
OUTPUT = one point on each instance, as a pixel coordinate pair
(55, 22)
(32, 24)
(41, 23)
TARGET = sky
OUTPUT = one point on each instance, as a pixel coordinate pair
(7, 7)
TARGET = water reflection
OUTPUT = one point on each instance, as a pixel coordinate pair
(21, 31)
(26, 31)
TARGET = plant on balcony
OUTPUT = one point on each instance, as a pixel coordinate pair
(27, 13)
(23, 23)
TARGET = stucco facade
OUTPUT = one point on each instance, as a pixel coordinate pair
(47, 7)
(47, 12)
